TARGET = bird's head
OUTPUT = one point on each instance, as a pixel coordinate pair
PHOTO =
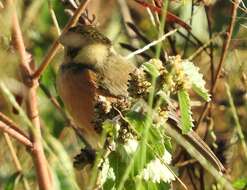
(85, 45)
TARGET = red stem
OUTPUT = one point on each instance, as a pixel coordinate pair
(170, 17)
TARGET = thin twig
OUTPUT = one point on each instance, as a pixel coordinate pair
(172, 43)
(51, 98)
(198, 44)
(54, 18)
(131, 48)
(16, 161)
(202, 183)
(186, 163)
(188, 32)
(127, 18)
(55, 46)
(151, 16)
(145, 39)
(199, 50)
(211, 55)
(222, 58)
(191, 177)
(13, 153)
(153, 43)
(68, 119)
(12, 124)
(22, 139)
(236, 119)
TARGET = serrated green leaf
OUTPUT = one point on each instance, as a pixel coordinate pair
(12, 181)
(185, 109)
(196, 79)
(201, 92)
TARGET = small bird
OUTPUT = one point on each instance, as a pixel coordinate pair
(91, 67)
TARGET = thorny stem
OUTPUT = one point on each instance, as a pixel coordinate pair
(55, 46)
(222, 58)
(38, 155)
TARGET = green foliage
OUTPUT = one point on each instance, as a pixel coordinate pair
(13, 180)
(185, 108)
(195, 79)
(240, 183)
(61, 165)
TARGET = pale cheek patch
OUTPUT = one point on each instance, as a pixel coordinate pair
(93, 54)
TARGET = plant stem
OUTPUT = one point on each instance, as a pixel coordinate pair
(15, 134)
(236, 119)
(16, 160)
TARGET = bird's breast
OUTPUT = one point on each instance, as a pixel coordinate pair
(77, 88)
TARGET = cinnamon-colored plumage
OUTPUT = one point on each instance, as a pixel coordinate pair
(79, 97)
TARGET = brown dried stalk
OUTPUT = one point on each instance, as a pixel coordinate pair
(15, 134)
(38, 155)
(12, 125)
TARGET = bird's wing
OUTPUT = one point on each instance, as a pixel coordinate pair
(115, 76)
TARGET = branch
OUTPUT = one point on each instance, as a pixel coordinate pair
(38, 155)
(153, 43)
(15, 134)
(55, 46)
(12, 124)
(170, 16)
